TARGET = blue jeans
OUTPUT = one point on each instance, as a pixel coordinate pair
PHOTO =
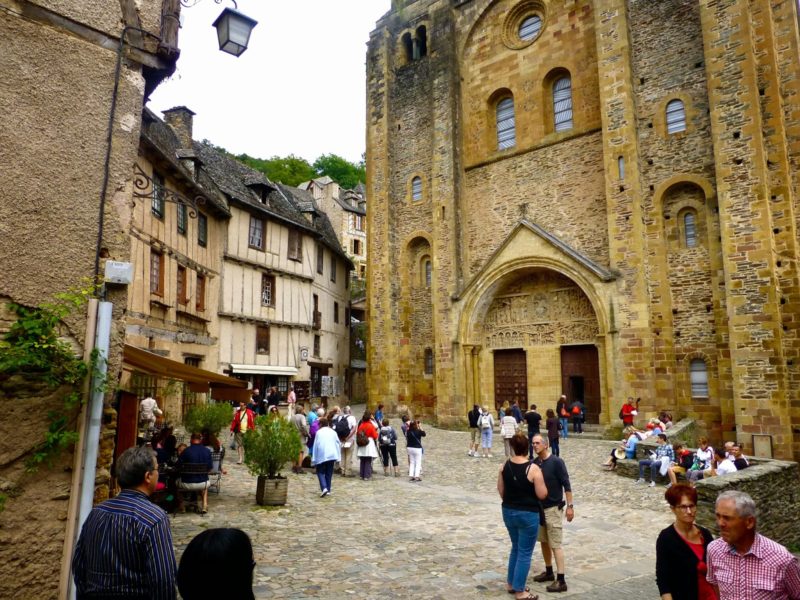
(654, 465)
(325, 474)
(523, 527)
(564, 425)
(554, 447)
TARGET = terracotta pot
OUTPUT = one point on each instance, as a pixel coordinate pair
(271, 492)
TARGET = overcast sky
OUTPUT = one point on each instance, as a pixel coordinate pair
(298, 89)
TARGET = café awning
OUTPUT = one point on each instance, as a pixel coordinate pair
(198, 379)
(264, 369)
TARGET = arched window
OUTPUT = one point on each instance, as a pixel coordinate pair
(408, 47)
(690, 229)
(699, 378)
(427, 272)
(422, 41)
(621, 167)
(562, 104)
(416, 189)
(428, 361)
(506, 129)
(530, 27)
(676, 117)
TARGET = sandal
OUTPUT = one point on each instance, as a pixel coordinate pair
(529, 597)
(514, 591)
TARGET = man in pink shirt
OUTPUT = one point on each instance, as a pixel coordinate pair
(745, 565)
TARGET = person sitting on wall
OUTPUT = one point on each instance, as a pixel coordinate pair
(664, 456)
(196, 453)
(739, 459)
(626, 449)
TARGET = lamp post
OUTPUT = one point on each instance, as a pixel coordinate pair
(233, 28)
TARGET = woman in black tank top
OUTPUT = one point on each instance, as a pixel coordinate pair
(521, 486)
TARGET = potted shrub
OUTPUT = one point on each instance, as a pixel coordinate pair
(267, 448)
(212, 417)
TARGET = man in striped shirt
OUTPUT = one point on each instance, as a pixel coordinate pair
(745, 565)
(125, 546)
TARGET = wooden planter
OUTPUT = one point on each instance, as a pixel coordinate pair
(271, 492)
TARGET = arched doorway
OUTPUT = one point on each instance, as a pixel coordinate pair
(538, 337)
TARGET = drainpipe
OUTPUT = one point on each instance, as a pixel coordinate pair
(91, 440)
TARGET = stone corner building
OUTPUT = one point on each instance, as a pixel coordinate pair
(589, 197)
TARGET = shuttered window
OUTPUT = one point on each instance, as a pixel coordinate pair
(506, 129)
(181, 285)
(530, 28)
(156, 273)
(562, 104)
(200, 301)
(295, 245)
(699, 378)
(676, 117)
(416, 189)
(690, 229)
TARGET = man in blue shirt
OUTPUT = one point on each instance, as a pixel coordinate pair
(125, 546)
(195, 454)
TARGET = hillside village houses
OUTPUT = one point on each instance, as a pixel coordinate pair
(255, 286)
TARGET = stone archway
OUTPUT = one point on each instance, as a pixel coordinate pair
(548, 317)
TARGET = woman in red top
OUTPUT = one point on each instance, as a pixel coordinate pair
(681, 550)
(369, 451)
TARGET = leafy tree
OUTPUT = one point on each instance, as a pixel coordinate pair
(342, 171)
(289, 170)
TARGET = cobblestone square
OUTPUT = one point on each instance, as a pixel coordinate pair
(441, 538)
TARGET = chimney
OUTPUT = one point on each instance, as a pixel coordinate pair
(180, 119)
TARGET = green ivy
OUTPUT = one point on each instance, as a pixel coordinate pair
(32, 348)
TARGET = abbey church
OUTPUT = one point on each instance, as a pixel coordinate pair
(595, 198)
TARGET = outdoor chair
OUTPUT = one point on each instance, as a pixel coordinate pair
(189, 498)
(215, 474)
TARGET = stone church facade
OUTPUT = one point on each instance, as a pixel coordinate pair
(589, 197)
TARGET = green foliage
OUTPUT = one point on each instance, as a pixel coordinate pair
(273, 443)
(3, 499)
(207, 416)
(289, 170)
(32, 348)
(342, 171)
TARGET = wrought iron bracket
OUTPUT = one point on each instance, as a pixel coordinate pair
(145, 187)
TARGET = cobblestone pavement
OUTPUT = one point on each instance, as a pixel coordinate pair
(441, 538)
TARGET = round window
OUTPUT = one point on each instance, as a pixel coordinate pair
(530, 27)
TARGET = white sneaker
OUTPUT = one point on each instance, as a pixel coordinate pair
(669, 485)
(652, 484)
(489, 456)
(640, 480)
(470, 453)
(323, 493)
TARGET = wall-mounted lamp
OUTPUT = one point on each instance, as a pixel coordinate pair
(233, 28)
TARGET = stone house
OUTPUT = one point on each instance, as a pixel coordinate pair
(65, 209)
(283, 286)
(592, 198)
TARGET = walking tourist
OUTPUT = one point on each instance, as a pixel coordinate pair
(474, 430)
(226, 553)
(148, 409)
(387, 437)
(744, 563)
(243, 420)
(487, 431)
(325, 454)
(291, 402)
(521, 487)
(256, 403)
(563, 416)
(508, 427)
(533, 420)
(551, 535)
(502, 411)
(516, 412)
(379, 414)
(300, 423)
(681, 550)
(553, 425)
(197, 454)
(125, 547)
(664, 457)
(414, 448)
(348, 441)
(368, 451)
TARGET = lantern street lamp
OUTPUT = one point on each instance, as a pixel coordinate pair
(233, 30)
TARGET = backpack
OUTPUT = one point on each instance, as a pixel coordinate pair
(486, 422)
(342, 428)
(576, 410)
(361, 438)
(386, 437)
(621, 415)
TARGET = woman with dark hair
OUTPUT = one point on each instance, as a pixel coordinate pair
(414, 449)
(226, 552)
(681, 550)
(369, 451)
(520, 484)
(553, 425)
